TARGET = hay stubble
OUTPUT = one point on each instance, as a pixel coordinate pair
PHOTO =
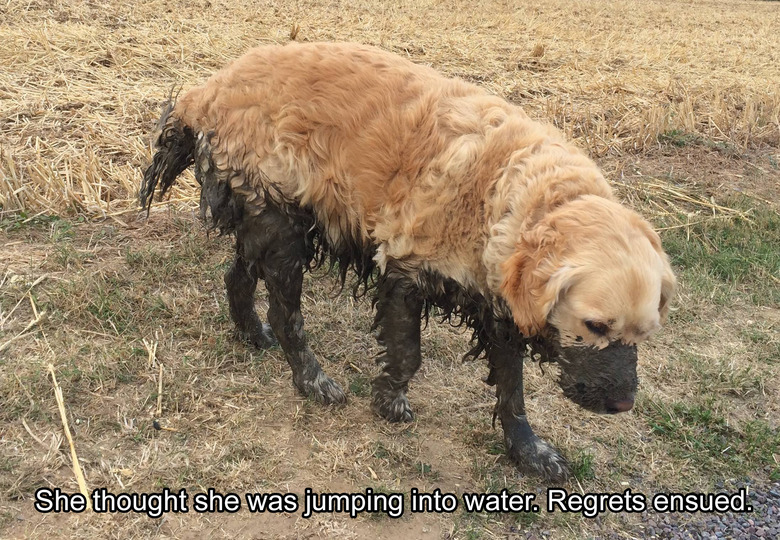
(678, 102)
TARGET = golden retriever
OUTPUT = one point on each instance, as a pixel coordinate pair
(437, 193)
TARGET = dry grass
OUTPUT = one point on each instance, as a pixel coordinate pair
(82, 81)
(679, 103)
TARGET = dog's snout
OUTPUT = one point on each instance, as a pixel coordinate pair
(623, 405)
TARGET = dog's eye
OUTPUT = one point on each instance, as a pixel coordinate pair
(598, 328)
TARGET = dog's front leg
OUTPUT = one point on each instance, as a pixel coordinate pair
(529, 452)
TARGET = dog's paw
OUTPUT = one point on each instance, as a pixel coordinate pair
(389, 400)
(322, 389)
(261, 336)
(540, 458)
(393, 409)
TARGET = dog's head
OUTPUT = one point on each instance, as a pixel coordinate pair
(592, 279)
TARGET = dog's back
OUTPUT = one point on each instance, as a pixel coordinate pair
(383, 150)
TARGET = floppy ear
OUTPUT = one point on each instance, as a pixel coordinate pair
(668, 284)
(668, 281)
(533, 279)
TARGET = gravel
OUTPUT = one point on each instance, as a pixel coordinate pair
(762, 523)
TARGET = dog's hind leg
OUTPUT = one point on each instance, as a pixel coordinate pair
(399, 306)
(280, 242)
(529, 452)
(241, 282)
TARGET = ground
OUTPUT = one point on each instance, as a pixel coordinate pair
(676, 101)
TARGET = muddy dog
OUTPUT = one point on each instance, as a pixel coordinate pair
(439, 195)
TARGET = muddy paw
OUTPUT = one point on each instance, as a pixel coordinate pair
(540, 458)
(261, 336)
(323, 390)
(393, 409)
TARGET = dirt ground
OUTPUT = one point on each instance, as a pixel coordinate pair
(677, 102)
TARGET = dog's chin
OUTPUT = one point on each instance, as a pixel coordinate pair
(601, 381)
(595, 402)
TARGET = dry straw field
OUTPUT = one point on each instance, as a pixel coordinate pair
(678, 101)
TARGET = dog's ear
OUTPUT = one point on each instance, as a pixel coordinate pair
(668, 281)
(668, 284)
(534, 279)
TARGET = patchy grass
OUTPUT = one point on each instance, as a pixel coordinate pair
(681, 139)
(676, 127)
(360, 385)
(738, 254)
(237, 425)
(678, 137)
(582, 466)
(705, 438)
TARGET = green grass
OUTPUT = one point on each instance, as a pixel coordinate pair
(717, 257)
(360, 385)
(22, 220)
(680, 139)
(720, 375)
(111, 304)
(178, 262)
(701, 435)
(581, 466)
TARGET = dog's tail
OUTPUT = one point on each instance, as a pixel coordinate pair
(175, 151)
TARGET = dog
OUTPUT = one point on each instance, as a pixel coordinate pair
(435, 194)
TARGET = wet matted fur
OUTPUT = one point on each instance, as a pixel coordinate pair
(439, 195)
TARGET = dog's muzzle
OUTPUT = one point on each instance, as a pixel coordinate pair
(600, 380)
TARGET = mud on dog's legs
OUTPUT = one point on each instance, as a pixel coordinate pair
(277, 243)
(241, 283)
(529, 452)
(399, 306)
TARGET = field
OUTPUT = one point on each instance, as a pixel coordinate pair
(677, 101)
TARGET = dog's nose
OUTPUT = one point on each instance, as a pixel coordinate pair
(614, 407)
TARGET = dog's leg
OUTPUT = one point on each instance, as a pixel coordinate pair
(282, 263)
(399, 306)
(529, 452)
(241, 283)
